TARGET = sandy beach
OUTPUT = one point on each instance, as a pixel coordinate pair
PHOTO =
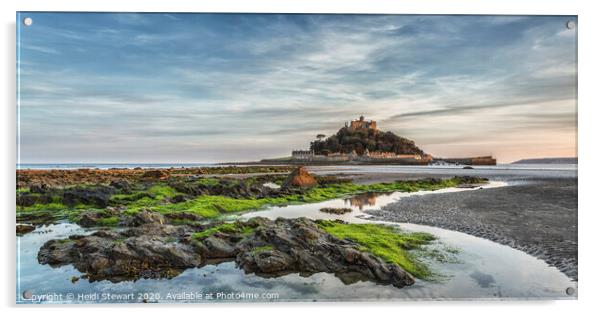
(536, 212)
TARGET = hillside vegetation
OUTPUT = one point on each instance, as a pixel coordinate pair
(347, 140)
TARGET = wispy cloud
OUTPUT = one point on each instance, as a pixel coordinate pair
(180, 87)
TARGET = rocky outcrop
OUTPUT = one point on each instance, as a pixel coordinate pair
(98, 195)
(300, 177)
(24, 229)
(96, 218)
(64, 177)
(146, 217)
(261, 246)
(156, 174)
(40, 188)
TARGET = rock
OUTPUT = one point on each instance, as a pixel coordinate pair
(119, 257)
(29, 199)
(272, 248)
(74, 279)
(268, 262)
(157, 174)
(178, 198)
(183, 216)
(24, 229)
(89, 219)
(26, 200)
(121, 184)
(218, 248)
(93, 195)
(40, 188)
(146, 217)
(336, 210)
(300, 177)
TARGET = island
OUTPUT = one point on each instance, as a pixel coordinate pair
(361, 142)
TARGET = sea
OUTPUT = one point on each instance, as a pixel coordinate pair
(47, 166)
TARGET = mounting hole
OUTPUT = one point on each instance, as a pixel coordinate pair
(27, 294)
(570, 24)
(570, 291)
(27, 21)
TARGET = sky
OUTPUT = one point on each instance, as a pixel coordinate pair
(182, 88)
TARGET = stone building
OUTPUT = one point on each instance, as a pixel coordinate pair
(303, 155)
(362, 124)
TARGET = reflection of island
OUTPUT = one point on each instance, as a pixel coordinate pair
(363, 199)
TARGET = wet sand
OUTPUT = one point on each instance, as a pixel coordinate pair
(535, 213)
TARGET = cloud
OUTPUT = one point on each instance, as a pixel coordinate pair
(157, 81)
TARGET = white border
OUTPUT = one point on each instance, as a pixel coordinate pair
(589, 154)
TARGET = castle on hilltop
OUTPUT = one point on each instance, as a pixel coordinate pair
(364, 156)
(361, 124)
(361, 142)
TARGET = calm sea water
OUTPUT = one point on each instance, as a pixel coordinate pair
(46, 166)
(381, 168)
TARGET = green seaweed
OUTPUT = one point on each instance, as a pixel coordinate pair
(233, 228)
(259, 249)
(208, 181)
(156, 198)
(387, 242)
(108, 221)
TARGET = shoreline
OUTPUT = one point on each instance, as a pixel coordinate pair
(529, 216)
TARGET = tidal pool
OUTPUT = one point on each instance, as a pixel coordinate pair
(481, 270)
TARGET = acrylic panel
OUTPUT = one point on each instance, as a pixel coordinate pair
(198, 158)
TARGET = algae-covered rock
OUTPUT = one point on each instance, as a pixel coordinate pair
(261, 246)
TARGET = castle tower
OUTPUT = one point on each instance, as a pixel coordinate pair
(361, 123)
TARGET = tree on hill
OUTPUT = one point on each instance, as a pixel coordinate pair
(347, 140)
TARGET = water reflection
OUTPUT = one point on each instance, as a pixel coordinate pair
(365, 199)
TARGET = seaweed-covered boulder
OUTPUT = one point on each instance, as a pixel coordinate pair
(300, 177)
(261, 246)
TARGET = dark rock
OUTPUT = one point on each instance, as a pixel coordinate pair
(94, 195)
(218, 248)
(179, 198)
(25, 199)
(336, 210)
(29, 199)
(119, 257)
(121, 184)
(24, 229)
(89, 219)
(40, 188)
(156, 174)
(183, 216)
(274, 248)
(146, 217)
